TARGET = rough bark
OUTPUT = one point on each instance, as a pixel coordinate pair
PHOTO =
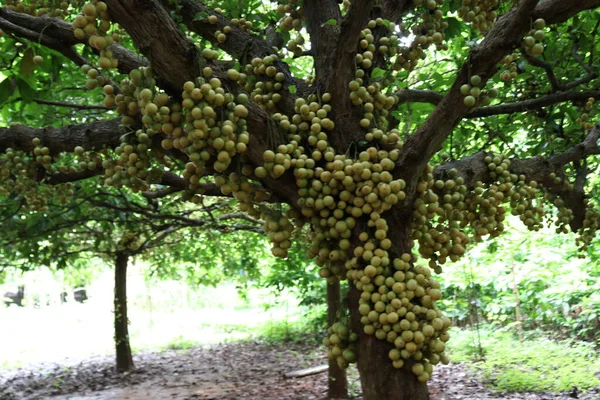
(123, 349)
(379, 379)
(394, 9)
(337, 384)
(335, 63)
(91, 136)
(159, 38)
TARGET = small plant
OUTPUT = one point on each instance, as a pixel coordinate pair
(179, 343)
(58, 383)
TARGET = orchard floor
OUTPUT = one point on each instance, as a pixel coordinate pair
(231, 371)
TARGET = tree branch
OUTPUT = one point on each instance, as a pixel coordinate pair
(591, 73)
(506, 34)
(533, 104)
(474, 169)
(323, 35)
(394, 9)
(73, 105)
(91, 136)
(354, 22)
(58, 35)
(242, 45)
(175, 60)
(240, 215)
(55, 179)
(536, 62)
(173, 57)
(418, 96)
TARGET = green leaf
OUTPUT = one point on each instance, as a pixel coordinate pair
(27, 65)
(6, 89)
(285, 35)
(201, 16)
(331, 22)
(57, 66)
(377, 73)
(26, 91)
(292, 89)
(454, 28)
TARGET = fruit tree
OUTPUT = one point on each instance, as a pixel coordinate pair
(396, 132)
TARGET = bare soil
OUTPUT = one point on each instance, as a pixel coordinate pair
(252, 370)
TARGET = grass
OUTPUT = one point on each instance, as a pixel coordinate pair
(179, 343)
(537, 365)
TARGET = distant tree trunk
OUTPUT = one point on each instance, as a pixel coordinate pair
(123, 349)
(517, 304)
(337, 387)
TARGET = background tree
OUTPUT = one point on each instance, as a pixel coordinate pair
(497, 95)
(117, 227)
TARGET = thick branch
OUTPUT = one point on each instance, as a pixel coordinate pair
(174, 58)
(334, 50)
(58, 35)
(533, 104)
(354, 22)
(73, 105)
(473, 169)
(241, 45)
(56, 179)
(323, 35)
(91, 136)
(45, 40)
(394, 9)
(418, 96)
(483, 60)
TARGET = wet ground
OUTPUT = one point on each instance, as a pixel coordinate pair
(225, 372)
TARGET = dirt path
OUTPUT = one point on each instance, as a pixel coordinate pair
(225, 372)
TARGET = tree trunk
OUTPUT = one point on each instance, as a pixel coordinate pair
(123, 350)
(337, 385)
(517, 304)
(378, 377)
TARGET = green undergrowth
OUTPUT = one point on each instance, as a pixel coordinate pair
(538, 364)
(289, 328)
(181, 343)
